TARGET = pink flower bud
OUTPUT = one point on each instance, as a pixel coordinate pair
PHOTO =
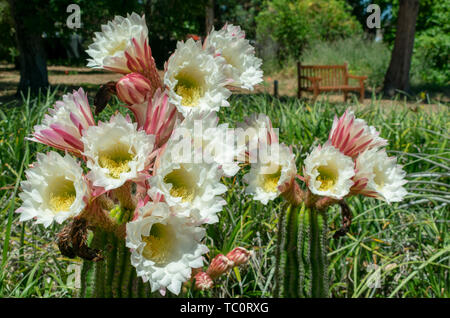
(133, 88)
(203, 281)
(239, 256)
(219, 265)
(353, 136)
(65, 123)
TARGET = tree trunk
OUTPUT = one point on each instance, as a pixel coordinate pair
(397, 75)
(209, 16)
(32, 60)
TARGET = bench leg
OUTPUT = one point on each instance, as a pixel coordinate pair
(361, 94)
(345, 96)
(316, 92)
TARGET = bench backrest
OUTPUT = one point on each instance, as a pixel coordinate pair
(332, 75)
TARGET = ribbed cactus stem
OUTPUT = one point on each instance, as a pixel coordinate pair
(301, 269)
(113, 276)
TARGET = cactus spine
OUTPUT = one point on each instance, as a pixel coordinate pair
(301, 269)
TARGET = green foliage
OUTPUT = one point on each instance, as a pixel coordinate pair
(364, 57)
(238, 12)
(7, 44)
(432, 47)
(293, 24)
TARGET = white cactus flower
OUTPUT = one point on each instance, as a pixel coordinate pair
(116, 38)
(266, 177)
(64, 124)
(55, 190)
(213, 142)
(191, 189)
(195, 79)
(243, 67)
(329, 172)
(384, 178)
(164, 247)
(116, 152)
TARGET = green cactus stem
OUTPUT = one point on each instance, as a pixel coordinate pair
(113, 275)
(301, 269)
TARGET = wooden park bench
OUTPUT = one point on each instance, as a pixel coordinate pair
(327, 78)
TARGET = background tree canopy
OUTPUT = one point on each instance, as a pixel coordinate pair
(280, 29)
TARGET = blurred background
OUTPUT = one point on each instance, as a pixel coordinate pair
(283, 32)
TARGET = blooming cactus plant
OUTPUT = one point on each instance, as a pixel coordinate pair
(136, 204)
(146, 210)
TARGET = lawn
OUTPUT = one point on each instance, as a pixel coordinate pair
(397, 250)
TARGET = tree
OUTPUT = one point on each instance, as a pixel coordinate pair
(294, 24)
(209, 15)
(33, 64)
(397, 75)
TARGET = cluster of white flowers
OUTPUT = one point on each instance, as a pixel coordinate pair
(353, 161)
(130, 161)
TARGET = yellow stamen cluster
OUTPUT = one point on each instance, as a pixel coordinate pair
(182, 185)
(327, 178)
(62, 199)
(379, 177)
(116, 161)
(270, 181)
(189, 90)
(158, 244)
(121, 46)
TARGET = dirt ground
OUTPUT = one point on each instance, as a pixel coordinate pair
(74, 77)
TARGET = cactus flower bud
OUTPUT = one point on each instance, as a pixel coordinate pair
(219, 265)
(239, 256)
(133, 88)
(203, 281)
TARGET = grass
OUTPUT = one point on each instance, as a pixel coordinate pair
(405, 245)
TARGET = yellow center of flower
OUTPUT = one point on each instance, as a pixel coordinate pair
(189, 89)
(63, 196)
(270, 181)
(182, 184)
(379, 177)
(116, 160)
(158, 245)
(118, 47)
(327, 178)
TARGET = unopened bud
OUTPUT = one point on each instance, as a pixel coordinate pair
(219, 265)
(203, 281)
(133, 88)
(239, 256)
